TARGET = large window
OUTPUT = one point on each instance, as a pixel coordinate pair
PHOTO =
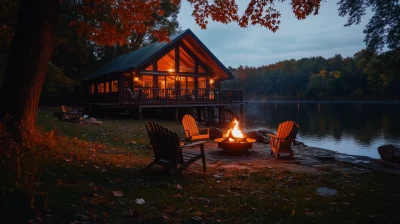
(114, 86)
(186, 63)
(91, 89)
(200, 70)
(202, 82)
(147, 81)
(107, 87)
(160, 82)
(170, 82)
(167, 63)
(100, 87)
(150, 68)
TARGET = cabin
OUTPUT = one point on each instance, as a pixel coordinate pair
(179, 74)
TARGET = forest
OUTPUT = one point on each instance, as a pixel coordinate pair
(365, 76)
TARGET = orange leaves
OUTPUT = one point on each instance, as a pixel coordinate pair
(110, 22)
(261, 12)
(304, 8)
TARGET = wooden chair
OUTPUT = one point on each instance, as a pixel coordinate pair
(168, 151)
(282, 141)
(192, 132)
(67, 114)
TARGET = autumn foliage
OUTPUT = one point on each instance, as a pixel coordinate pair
(108, 22)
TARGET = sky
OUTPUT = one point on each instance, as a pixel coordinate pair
(322, 35)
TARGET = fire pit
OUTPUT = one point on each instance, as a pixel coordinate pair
(234, 141)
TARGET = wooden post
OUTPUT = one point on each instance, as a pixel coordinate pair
(140, 113)
(241, 116)
(177, 114)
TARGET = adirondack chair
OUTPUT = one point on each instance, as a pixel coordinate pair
(167, 149)
(192, 132)
(67, 114)
(282, 141)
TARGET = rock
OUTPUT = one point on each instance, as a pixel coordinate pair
(390, 153)
(256, 135)
(215, 133)
(324, 191)
(266, 132)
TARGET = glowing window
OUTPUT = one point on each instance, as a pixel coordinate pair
(190, 83)
(107, 87)
(160, 82)
(91, 89)
(202, 82)
(201, 70)
(114, 86)
(170, 82)
(167, 63)
(150, 68)
(100, 87)
(147, 81)
(186, 63)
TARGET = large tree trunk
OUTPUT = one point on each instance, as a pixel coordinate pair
(27, 65)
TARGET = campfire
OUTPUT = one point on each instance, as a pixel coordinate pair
(234, 134)
(234, 140)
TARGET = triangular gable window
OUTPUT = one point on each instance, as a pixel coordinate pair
(150, 68)
(186, 63)
(167, 63)
(201, 70)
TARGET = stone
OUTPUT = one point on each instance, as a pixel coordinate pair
(266, 132)
(324, 191)
(215, 133)
(390, 153)
(256, 135)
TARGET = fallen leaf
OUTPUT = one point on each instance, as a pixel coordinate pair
(140, 201)
(118, 193)
(98, 200)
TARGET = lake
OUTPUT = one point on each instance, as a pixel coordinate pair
(355, 128)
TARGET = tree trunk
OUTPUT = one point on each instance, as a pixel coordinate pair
(27, 65)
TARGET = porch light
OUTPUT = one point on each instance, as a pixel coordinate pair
(171, 70)
(136, 79)
(211, 81)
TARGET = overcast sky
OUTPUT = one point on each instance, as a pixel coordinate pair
(321, 35)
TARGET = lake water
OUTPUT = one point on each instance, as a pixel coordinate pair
(353, 128)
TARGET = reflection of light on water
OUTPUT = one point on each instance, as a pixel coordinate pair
(350, 128)
(346, 144)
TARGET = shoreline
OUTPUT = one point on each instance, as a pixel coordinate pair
(326, 101)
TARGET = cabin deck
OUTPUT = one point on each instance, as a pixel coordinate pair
(162, 104)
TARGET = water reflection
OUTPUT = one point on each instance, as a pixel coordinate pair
(352, 128)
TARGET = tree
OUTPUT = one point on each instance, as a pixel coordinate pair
(384, 26)
(25, 73)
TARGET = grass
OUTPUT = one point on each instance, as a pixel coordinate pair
(91, 176)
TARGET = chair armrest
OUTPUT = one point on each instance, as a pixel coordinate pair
(274, 136)
(207, 129)
(188, 132)
(192, 144)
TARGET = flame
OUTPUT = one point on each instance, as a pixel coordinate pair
(236, 132)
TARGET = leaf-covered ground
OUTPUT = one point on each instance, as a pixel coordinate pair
(92, 175)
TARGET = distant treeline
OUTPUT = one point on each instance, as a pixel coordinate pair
(366, 75)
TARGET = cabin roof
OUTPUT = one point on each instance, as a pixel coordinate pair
(141, 56)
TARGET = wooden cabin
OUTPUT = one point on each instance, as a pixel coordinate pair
(181, 73)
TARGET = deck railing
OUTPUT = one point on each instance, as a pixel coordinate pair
(154, 95)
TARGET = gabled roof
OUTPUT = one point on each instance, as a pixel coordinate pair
(141, 56)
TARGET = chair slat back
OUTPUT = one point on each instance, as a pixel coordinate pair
(164, 142)
(189, 123)
(287, 129)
